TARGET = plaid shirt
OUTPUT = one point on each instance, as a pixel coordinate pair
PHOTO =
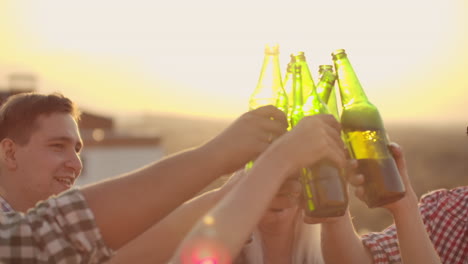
(445, 214)
(61, 229)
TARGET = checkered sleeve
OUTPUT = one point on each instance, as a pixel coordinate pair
(61, 229)
(444, 213)
(383, 246)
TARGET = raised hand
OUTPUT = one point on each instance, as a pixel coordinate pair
(313, 139)
(247, 137)
(358, 180)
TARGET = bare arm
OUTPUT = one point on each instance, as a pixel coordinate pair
(415, 244)
(341, 243)
(221, 233)
(338, 235)
(159, 242)
(125, 207)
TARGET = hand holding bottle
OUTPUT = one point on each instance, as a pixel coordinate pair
(313, 139)
(414, 243)
(366, 137)
(358, 180)
(247, 137)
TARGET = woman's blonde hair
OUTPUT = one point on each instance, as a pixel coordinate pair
(306, 248)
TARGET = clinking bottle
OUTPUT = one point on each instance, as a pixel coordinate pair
(366, 137)
(326, 88)
(324, 188)
(288, 85)
(269, 89)
(308, 84)
(296, 113)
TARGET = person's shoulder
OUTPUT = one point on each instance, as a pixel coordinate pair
(457, 193)
(453, 201)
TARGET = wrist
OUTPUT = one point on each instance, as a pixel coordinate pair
(334, 223)
(274, 157)
(404, 206)
(212, 157)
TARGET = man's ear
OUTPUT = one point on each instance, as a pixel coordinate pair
(7, 153)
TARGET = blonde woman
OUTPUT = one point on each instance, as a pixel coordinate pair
(281, 236)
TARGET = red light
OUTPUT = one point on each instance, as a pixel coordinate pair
(205, 251)
(208, 261)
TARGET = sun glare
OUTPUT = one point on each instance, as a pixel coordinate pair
(204, 58)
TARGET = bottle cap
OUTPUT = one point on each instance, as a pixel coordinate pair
(272, 49)
(328, 77)
(338, 53)
(325, 67)
(301, 55)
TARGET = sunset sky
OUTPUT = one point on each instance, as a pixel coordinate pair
(204, 57)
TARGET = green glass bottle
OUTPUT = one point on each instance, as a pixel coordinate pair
(366, 137)
(308, 83)
(326, 82)
(269, 89)
(324, 188)
(288, 85)
(326, 89)
(296, 108)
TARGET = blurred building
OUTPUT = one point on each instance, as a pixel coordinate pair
(18, 83)
(107, 152)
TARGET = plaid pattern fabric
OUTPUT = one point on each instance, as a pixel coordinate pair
(59, 230)
(445, 215)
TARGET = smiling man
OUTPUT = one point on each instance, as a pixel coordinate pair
(40, 145)
(39, 158)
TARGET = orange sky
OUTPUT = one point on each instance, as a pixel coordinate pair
(203, 58)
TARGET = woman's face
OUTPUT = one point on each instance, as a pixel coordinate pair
(285, 204)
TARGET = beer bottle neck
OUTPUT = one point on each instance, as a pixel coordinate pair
(307, 80)
(297, 87)
(271, 68)
(269, 83)
(314, 105)
(325, 85)
(350, 88)
(288, 84)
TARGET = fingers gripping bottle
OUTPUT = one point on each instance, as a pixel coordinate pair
(366, 137)
(269, 89)
(324, 187)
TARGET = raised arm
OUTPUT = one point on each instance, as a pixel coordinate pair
(221, 233)
(159, 242)
(341, 244)
(126, 206)
(410, 243)
(414, 242)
